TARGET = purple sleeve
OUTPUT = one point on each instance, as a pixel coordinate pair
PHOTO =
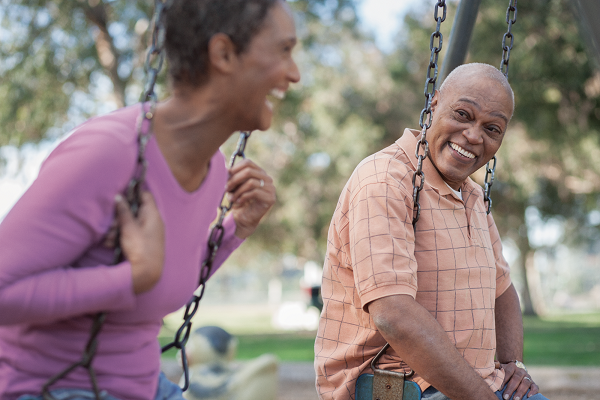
(229, 244)
(50, 267)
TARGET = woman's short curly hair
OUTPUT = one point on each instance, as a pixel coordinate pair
(190, 24)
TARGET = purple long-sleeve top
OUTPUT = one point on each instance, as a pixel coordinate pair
(55, 273)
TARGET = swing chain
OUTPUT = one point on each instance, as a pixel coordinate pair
(489, 181)
(511, 18)
(155, 56)
(490, 168)
(132, 192)
(214, 242)
(426, 117)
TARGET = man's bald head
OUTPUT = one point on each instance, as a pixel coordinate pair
(467, 72)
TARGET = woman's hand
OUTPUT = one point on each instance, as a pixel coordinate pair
(251, 193)
(517, 381)
(143, 241)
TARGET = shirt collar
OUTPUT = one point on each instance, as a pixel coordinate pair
(408, 143)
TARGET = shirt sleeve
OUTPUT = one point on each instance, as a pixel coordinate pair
(65, 212)
(503, 280)
(381, 242)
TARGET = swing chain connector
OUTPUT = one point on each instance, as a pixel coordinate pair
(511, 19)
(214, 242)
(489, 181)
(426, 116)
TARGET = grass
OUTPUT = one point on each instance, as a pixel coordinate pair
(296, 346)
(565, 340)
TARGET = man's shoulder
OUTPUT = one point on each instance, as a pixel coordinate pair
(390, 166)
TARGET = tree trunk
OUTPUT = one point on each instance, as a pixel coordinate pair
(107, 52)
(531, 293)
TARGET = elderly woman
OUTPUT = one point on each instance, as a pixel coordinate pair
(225, 57)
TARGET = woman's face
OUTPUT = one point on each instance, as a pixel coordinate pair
(266, 69)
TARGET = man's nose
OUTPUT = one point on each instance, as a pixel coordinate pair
(473, 134)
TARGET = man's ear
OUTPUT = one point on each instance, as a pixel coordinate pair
(221, 53)
(434, 101)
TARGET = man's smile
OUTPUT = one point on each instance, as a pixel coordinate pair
(461, 151)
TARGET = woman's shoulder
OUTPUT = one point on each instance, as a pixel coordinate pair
(117, 126)
(113, 135)
(107, 143)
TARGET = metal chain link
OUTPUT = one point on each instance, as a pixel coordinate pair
(214, 242)
(489, 181)
(426, 117)
(512, 9)
(490, 168)
(132, 193)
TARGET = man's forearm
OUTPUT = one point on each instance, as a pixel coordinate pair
(509, 327)
(422, 343)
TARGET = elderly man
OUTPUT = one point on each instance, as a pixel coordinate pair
(439, 293)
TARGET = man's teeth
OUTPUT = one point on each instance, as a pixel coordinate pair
(462, 151)
(278, 93)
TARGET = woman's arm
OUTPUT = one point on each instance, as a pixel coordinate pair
(65, 212)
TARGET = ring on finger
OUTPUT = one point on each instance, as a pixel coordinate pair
(529, 379)
(262, 183)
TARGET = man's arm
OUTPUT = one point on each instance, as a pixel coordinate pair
(509, 343)
(422, 343)
(509, 327)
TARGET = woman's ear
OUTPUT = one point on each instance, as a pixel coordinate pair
(221, 53)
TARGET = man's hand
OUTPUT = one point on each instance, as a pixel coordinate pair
(142, 241)
(517, 381)
(252, 194)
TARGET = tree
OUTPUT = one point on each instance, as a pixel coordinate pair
(56, 54)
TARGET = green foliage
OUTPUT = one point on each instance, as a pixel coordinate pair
(54, 53)
(551, 159)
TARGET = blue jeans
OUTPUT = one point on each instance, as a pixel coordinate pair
(433, 394)
(167, 390)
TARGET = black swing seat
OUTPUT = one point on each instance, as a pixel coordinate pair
(364, 390)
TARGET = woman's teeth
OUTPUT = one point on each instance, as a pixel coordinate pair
(278, 93)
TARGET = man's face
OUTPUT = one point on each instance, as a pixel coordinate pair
(267, 67)
(469, 122)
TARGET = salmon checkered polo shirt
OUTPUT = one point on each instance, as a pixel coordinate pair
(455, 270)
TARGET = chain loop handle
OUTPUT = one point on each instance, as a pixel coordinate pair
(426, 117)
(214, 242)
